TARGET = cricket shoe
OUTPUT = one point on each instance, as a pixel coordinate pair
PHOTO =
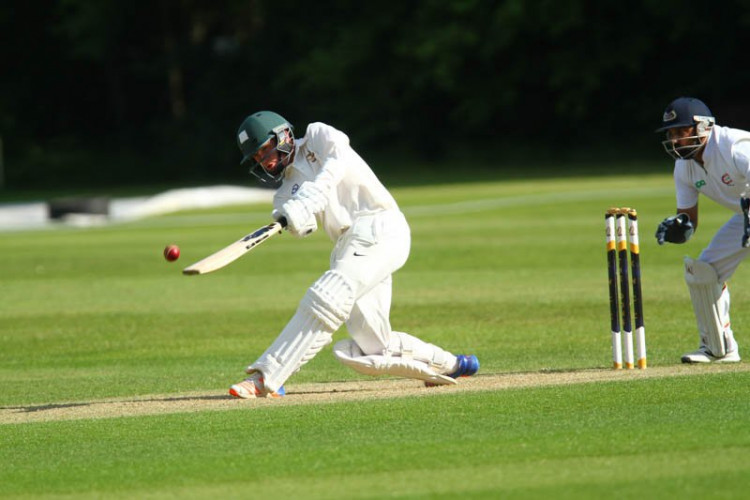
(468, 365)
(703, 355)
(253, 387)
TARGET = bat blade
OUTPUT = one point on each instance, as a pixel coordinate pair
(229, 254)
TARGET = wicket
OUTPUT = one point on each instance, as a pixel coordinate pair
(617, 231)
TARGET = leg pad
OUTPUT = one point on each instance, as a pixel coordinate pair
(348, 353)
(710, 304)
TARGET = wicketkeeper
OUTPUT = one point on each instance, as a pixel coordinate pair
(715, 161)
(324, 182)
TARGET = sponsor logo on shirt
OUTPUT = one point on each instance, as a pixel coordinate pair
(295, 188)
(726, 179)
(700, 184)
(311, 157)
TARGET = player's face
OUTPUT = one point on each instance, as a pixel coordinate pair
(683, 142)
(681, 136)
(268, 156)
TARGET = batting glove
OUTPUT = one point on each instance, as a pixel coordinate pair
(675, 229)
(313, 196)
(300, 220)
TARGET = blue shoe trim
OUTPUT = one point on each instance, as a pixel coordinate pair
(468, 365)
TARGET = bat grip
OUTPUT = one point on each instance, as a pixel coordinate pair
(282, 220)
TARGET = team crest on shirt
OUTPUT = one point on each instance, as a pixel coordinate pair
(311, 157)
(295, 188)
(726, 179)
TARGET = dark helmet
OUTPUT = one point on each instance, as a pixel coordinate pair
(686, 112)
(257, 130)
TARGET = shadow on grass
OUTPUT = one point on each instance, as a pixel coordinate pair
(62, 406)
(40, 408)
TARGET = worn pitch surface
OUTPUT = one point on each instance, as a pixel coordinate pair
(335, 392)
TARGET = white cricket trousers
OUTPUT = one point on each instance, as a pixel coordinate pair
(725, 251)
(368, 254)
(362, 262)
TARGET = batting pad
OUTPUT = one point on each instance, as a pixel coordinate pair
(323, 309)
(348, 353)
(710, 303)
(330, 299)
(407, 346)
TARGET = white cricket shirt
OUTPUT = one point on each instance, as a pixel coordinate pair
(725, 174)
(325, 157)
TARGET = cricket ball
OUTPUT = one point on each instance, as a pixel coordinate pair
(171, 253)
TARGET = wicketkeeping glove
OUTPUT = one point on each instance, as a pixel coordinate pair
(745, 204)
(675, 229)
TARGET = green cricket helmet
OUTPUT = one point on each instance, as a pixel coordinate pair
(257, 130)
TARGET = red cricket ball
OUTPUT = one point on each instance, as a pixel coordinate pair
(171, 253)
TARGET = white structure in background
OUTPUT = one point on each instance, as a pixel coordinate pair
(25, 216)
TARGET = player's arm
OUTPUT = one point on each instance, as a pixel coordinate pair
(741, 158)
(325, 144)
(329, 147)
(691, 212)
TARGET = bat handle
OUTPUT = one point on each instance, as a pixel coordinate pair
(282, 220)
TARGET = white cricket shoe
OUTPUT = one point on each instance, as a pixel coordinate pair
(253, 387)
(703, 355)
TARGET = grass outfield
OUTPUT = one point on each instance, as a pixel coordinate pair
(513, 271)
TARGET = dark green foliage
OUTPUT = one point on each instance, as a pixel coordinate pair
(110, 92)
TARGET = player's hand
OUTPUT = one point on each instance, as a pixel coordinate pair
(300, 210)
(300, 221)
(313, 196)
(675, 229)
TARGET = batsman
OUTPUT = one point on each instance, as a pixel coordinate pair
(715, 161)
(322, 182)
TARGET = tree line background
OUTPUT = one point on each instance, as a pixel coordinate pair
(128, 92)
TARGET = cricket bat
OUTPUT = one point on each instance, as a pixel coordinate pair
(229, 254)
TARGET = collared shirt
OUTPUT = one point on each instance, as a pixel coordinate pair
(724, 176)
(325, 157)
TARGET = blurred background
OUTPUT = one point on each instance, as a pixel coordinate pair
(117, 93)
